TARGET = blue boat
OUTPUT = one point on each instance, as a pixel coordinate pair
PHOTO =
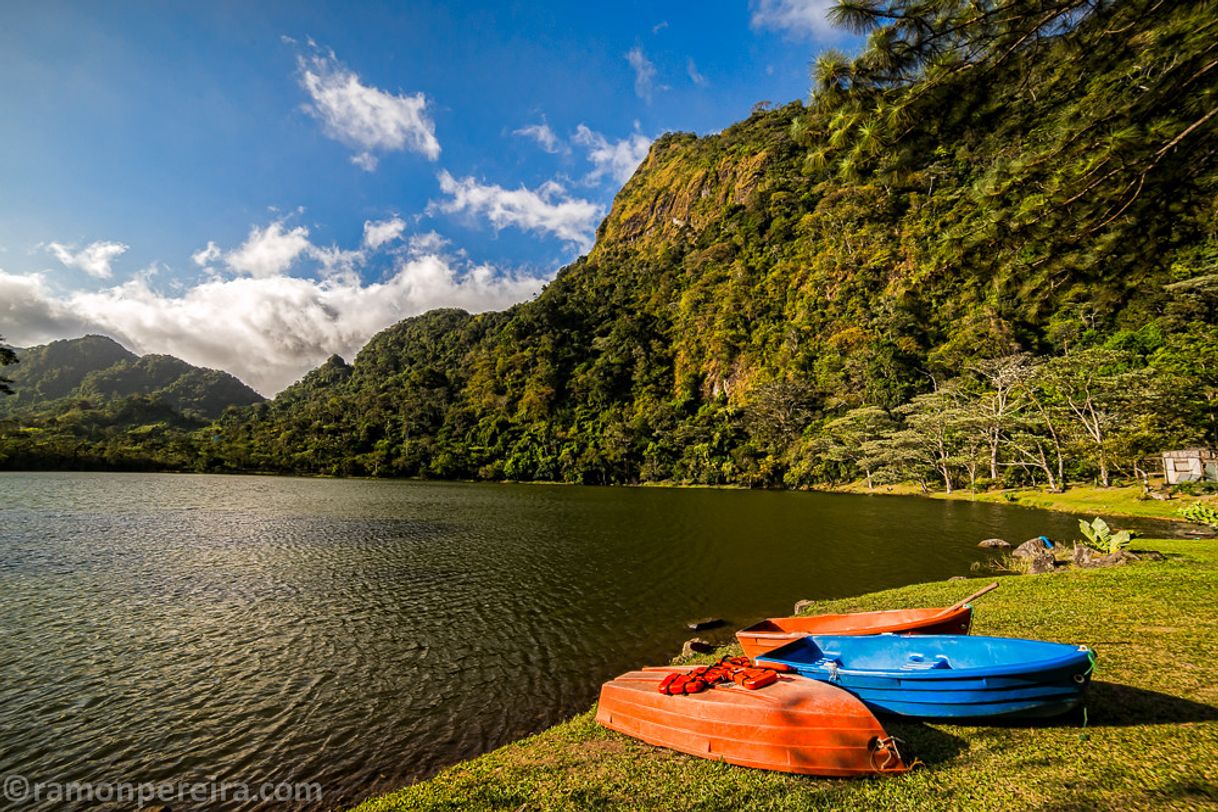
(942, 676)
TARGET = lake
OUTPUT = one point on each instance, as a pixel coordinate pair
(363, 634)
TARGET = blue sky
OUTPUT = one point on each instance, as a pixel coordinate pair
(253, 186)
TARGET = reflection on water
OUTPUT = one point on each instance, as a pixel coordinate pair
(363, 634)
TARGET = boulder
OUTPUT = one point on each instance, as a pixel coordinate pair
(1041, 564)
(1031, 548)
(696, 645)
(1038, 557)
(1001, 544)
(1114, 559)
(800, 606)
(1082, 556)
(1151, 555)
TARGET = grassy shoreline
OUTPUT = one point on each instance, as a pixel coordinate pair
(1151, 734)
(1078, 499)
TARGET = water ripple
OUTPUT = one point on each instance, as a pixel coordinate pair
(365, 634)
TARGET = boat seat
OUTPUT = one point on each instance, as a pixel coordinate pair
(918, 662)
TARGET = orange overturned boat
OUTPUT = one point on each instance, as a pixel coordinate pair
(762, 638)
(792, 724)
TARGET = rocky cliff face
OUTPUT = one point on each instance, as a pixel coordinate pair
(686, 183)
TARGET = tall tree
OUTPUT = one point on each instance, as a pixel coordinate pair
(1000, 403)
(849, 439)
(933, 432)
(1101, 392)
(7, 356)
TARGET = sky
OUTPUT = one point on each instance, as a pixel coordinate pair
(255, 186)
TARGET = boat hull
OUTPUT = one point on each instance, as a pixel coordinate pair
(776, 632)
(795, 725)
(946, 677)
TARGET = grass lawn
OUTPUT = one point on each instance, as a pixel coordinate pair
(1093, 501)
(1150, 740)
(1089, 500)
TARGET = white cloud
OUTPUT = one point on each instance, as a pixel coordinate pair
(94, 259)
(429, 242)
(799, 18)
(548, 209)
(337, 262)
(543, 135)
(266, 330)
(617, 159)
(379, 232)
(692, 69)
(206, 256)
(365, 118)
(269, 251)
(365, 161)
(644, 73)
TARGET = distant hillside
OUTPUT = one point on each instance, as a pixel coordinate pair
(99, 370)
(55, 370)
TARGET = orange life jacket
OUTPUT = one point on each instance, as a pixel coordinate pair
(740, 670)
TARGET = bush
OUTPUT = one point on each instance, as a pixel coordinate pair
(1201, 514)
(1196, 488)
(1099, 536)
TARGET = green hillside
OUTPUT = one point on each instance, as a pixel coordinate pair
(89, 402)
(55, 370)
(985, 249)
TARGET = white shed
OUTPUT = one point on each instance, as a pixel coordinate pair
(1190, 465)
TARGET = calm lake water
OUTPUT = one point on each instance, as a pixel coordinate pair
(363, 634)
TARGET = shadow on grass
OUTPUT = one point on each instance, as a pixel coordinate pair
(919, 740)
(1108, 704)
(1194, 794)
(1112, 705)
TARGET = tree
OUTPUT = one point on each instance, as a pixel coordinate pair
(1000, 403)
(777, 412)
(1191, 358)
(933, 433)
(7, 356)
(916, 50)
(1035, 442)
(849, 439)
(1102, 394)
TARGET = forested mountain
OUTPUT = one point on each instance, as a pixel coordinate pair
(986, 248)
(54, 370)
(91, 401)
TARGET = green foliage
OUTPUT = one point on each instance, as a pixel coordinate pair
(1201, 514)
(7, 356)
(89, 403)
(55, 370)
(1099, 536)
(989, 245)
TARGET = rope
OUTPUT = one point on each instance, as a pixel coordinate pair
(892, 754)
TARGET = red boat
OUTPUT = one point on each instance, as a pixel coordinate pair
(768, 635)
(794, 725)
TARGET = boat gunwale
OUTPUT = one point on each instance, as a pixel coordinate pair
(1080, 654)
(940, 615)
